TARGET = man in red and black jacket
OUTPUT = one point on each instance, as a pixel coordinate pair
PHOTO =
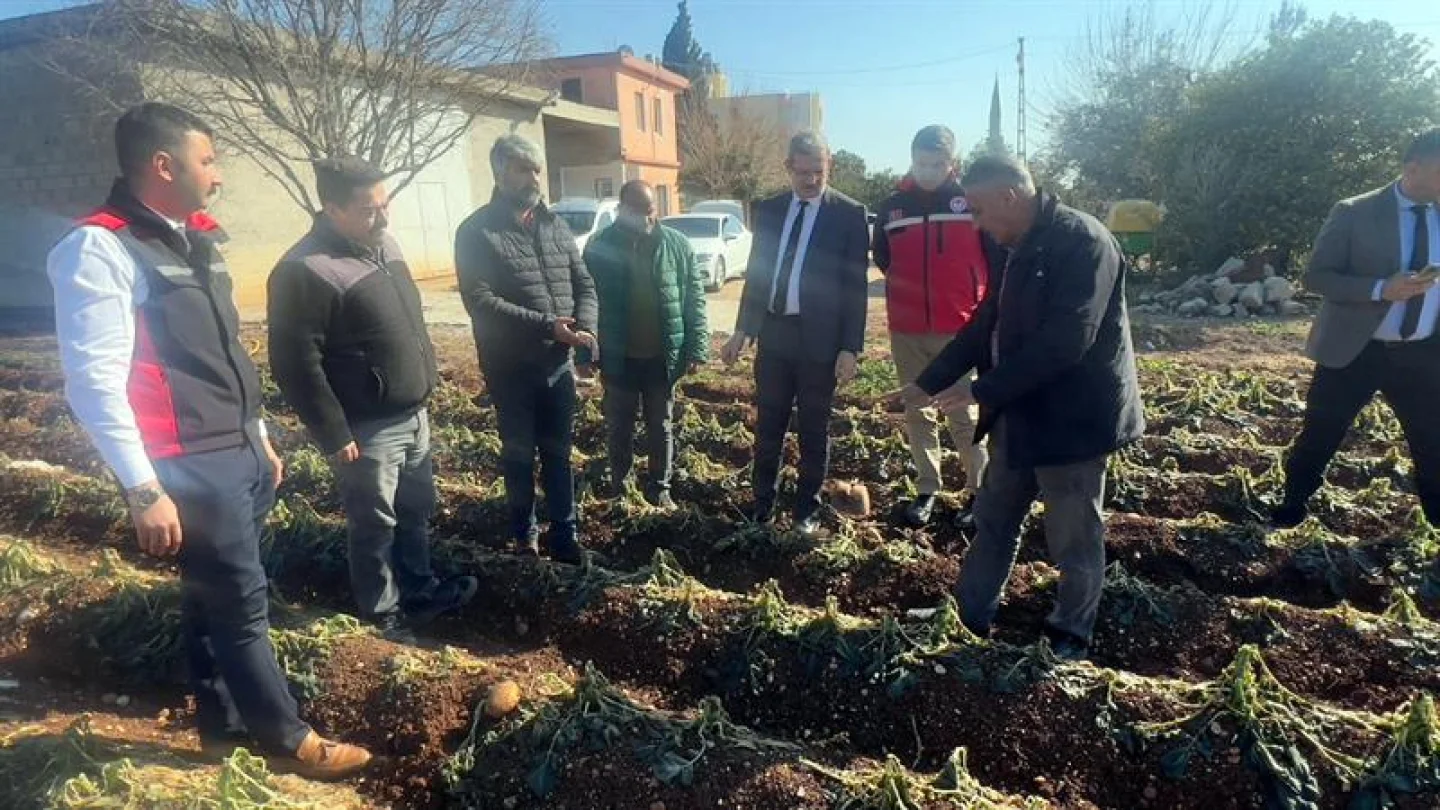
(936, 274)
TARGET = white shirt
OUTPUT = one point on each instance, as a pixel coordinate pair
(812, 209)
(1389, 329)
(98, 286)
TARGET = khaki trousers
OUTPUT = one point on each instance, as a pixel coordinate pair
(912, 353)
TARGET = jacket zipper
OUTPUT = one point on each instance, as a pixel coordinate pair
(229, 340)
(925, 273)
(414, 332)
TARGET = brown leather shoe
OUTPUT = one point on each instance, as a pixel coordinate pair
(325, 760)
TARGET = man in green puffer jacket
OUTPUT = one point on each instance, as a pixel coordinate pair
(652, 331)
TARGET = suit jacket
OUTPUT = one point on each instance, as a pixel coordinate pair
(1066, 380)
(1358, 245)
(833, 284)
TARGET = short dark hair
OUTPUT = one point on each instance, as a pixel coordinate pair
(153, 127)
(337, 179)
(934, 138)
(632, 188)
(998, 170)
(1425, 147)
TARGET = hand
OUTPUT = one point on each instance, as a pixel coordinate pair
(589, 341)
(347, 454)
(157, 526)
(846, 364)
(910, 396)
(564, 332)
(1402, 287)
(730, 352)
(277, 465)
(955, 397)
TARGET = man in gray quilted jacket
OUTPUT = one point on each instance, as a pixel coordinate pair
(531, 302)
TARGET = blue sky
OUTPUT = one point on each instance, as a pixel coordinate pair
(885, 68)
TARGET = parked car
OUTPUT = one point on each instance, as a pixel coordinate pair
(734, 208)
(586, 217)
(721, 243)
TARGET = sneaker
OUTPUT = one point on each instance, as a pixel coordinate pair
(324, 760)
(565, 548)
(918, 513)
(452, 594)
(1288, 516)
(807, 527)
(529, 545)
(662, 500)
(396, 627)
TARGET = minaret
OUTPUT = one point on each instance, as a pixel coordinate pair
(996, 137)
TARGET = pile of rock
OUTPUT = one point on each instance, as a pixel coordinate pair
(1238, 289)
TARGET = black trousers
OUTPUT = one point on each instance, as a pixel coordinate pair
(788, 382)
(535, 413)
(1408, 376)
(223, 498)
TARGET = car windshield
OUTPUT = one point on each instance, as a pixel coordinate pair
(579, 222)
(701, 227)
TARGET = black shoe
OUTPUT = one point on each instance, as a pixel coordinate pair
(452, 594)
(565, 548)
(663, 501)
(394, 627)
(918, 513)
(1288, 516)
(529, 545)
(1067, 646)
(807, 527)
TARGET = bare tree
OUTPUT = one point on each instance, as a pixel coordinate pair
(288, 82)
(730, 155)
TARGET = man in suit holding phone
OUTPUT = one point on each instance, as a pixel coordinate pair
(1374, 263)
(804, 303)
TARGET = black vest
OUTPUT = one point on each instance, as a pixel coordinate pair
(192, 386)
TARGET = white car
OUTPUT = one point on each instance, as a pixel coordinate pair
(585, 217)
(721, 244)
(734, 208)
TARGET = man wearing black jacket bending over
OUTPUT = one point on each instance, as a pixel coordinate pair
(1057, 391)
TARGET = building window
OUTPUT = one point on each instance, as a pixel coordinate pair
(640, 111)
(604, 187)
(659, 118)
(572, 90)
(662, 199)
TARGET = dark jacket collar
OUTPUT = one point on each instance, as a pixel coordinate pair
(332, 240)
(142, 219)
(1048, 211)
(502, 213)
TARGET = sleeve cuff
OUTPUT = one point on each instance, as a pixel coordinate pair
(133, 468)
(1378, 292)
(260, 429)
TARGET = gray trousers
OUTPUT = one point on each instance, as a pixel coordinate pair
(1074, 532)
(389, 496)
(644, 386)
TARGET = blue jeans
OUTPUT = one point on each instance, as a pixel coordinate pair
(223, 497)
(389, 496)
(535, 412)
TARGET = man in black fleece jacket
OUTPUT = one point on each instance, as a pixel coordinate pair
(531, 302)
(349, 350)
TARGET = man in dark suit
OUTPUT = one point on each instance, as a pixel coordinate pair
(1374, 263)
(1057, 390)
(804, 302)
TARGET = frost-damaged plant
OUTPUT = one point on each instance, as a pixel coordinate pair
(1417, 563)
(21, 564)
(303, 652)
(408, 669)
(892, 787)
(33, 763)
(1273, 728)
(1326, 557)
(136, 627)
(670, 596)
(594, 715)
(1132, 599)
(1411, 762)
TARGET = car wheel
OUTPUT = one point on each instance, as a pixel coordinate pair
(717, 276)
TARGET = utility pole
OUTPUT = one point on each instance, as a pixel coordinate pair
(1020, 105)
